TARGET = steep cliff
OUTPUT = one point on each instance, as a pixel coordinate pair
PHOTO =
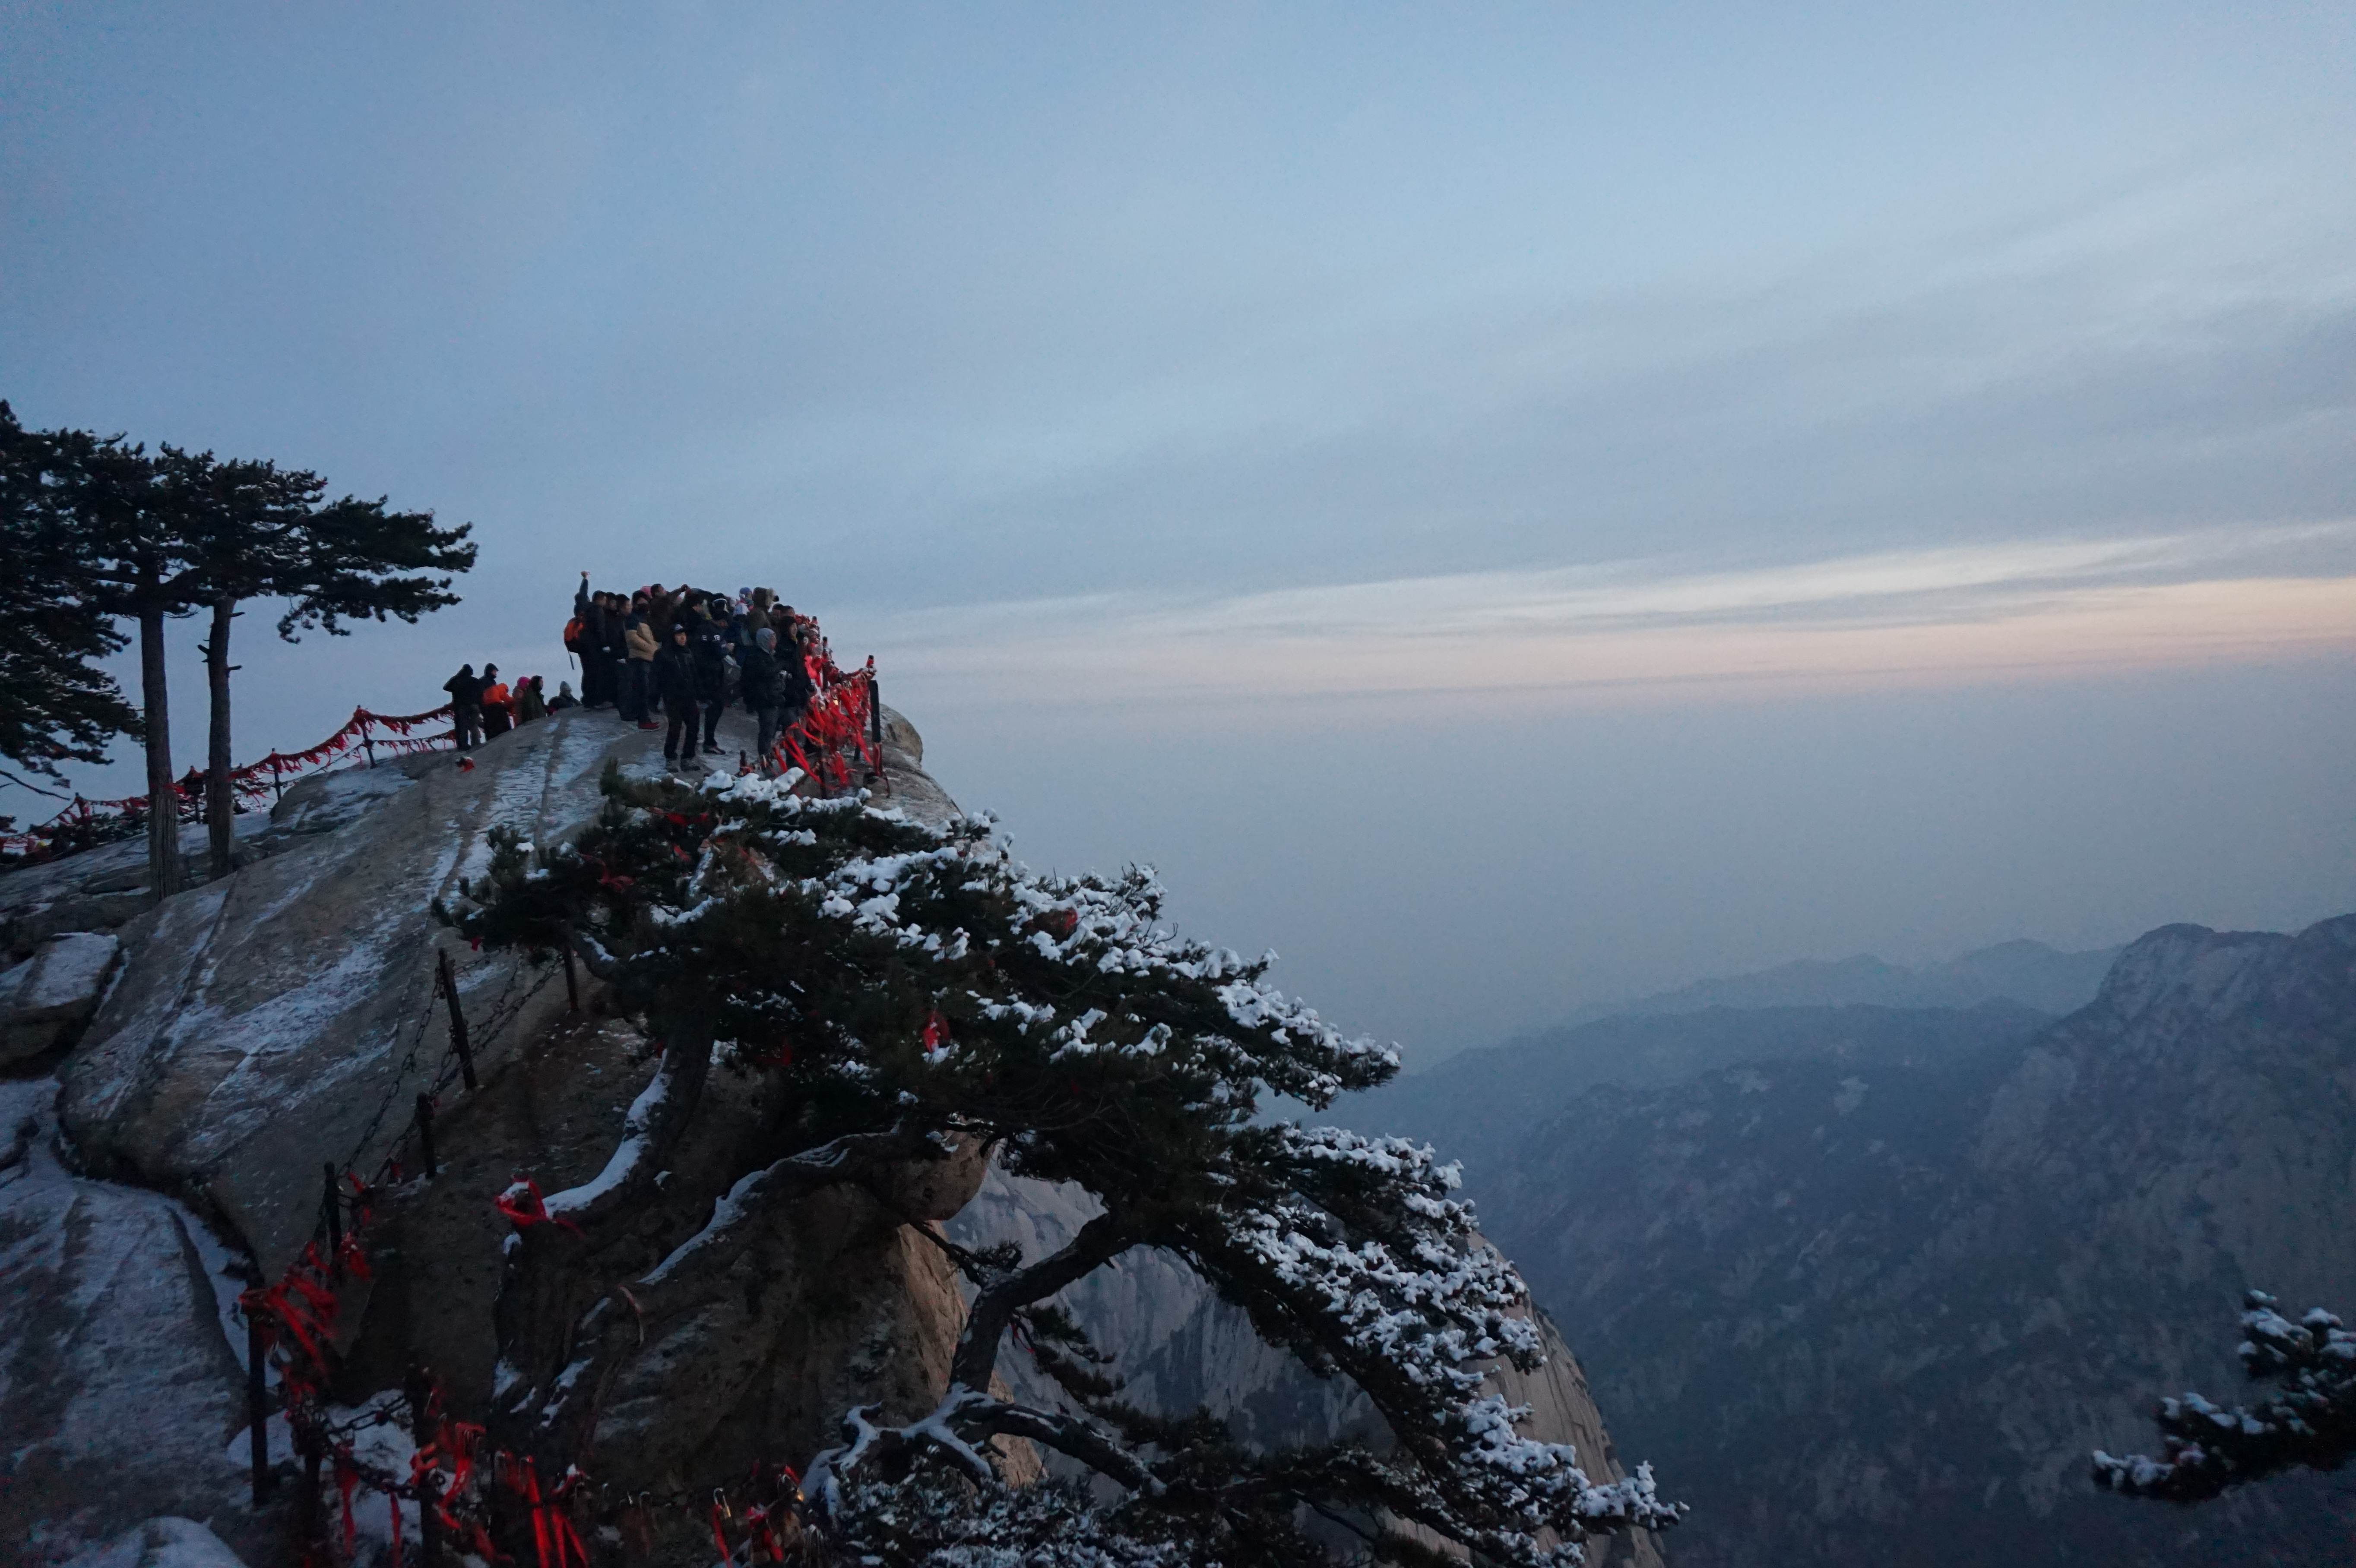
(1888, 1303)
(1182, 1348)
(285, 1017)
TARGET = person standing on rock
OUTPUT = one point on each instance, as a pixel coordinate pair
(762, 690)
(528, 704)
(708, 639)
(465, 707)
(638, 640)
(676, 683)
(497, 703)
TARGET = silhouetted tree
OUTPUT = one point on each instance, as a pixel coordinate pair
(2310, 1420)
(147, 538)
(264, 532)
(55, 705)
(894, 990)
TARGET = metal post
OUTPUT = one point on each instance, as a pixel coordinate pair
(425, 1429)
(257, 1403)
(457, 1021)
(425, 1131)
(277, 789)
(332, 1202)
(572, 986)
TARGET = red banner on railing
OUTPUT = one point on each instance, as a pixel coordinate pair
(253, 783)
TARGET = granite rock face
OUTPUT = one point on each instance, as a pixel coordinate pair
(1897, 1300)
(162, 1543)
(283, 1017)
(47, 997)
(119, 1387)
(286, 1015)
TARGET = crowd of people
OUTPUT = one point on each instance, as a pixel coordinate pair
(682, 653)
(482, 706)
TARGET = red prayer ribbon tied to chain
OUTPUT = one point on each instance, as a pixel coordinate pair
(522, 1203)
(255, 781)
(840, 716)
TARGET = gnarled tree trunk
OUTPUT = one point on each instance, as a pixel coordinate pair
(163, 870)
(220, 801)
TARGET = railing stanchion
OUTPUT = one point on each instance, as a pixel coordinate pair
(257, 1402)
(448, 979)
(333, 1203)
(425, 1131)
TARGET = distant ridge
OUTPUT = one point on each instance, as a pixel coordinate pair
(2029, 973)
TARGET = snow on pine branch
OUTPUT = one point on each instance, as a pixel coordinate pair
(2207, 1448)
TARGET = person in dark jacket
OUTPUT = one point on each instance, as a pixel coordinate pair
(465, 707)
(563, 697)
(761, 685)
(588, 644)
(675, 683)
(708, 640)
(529, 705)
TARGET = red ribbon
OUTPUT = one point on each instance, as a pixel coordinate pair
(530, 1209)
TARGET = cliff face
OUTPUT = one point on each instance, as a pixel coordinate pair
(1182, 1349)
(1897, 1300)
(285, 1016)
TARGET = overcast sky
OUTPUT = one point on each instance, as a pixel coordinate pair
(1508, 506)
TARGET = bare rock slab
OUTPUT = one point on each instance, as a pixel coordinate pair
(49, 995)
(162, 1543)
(118, 1387)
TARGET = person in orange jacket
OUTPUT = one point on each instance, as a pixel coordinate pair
(498, 704)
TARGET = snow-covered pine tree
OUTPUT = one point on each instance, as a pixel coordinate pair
(2310, 1420)
(899, 987)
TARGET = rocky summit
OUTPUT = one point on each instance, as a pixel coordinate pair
(189, 1071)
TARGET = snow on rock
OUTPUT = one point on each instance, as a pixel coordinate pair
(117, 1386)
(162, 1543)
(45, 997)
(285, 1016)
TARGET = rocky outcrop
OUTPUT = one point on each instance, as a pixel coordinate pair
(162, 1543)
(285, 1016)
(47, 997)
(1897, 1300)
(119, 1388)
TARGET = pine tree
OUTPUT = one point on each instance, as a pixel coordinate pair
(903, 990)
(2310, 1421)
(149, 538)
(135, 559)
(56, 706)
(263, 532)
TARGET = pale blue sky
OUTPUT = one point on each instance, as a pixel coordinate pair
(1121, 375)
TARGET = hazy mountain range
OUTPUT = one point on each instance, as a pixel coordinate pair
(2029, 973)
(1868, 1283)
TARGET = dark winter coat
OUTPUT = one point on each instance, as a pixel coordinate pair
(711, 661)
(762, 684)
(674, 676)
